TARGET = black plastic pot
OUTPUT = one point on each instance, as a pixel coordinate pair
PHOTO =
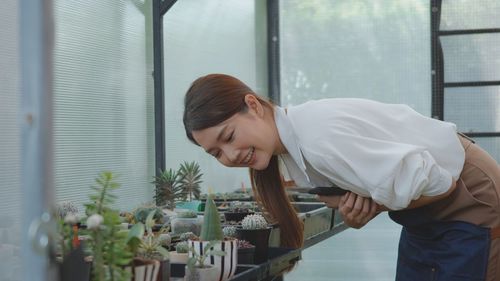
(259, 238)
(246, 255)
(230, 216)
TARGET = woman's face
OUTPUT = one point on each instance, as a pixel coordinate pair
(246, 139)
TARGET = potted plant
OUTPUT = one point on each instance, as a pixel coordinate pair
(180, 255)
(246, 251)
(190, 180)
(168, 190)
(237, 210)
(254, 229)
(186, 221)
(197, 269)
(212, 231)
(69, 253)
(107, 242)
(151, 258)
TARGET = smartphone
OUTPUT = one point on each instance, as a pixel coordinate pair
(327, 191)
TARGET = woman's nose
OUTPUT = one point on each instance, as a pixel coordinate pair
(232, 155)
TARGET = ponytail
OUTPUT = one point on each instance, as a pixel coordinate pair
(269, 191)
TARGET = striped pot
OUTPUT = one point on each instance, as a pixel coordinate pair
(226, 265)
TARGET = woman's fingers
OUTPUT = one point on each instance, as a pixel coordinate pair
(357, 210)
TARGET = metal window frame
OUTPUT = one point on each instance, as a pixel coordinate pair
(437, 66)
(160, 8)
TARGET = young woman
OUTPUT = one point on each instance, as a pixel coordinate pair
(438, 184)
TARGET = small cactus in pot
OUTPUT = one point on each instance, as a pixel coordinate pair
(254, 228)
(211, 233)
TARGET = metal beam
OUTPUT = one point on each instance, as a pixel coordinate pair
(273, 51)
(159, 99)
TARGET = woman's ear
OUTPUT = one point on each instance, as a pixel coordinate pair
(254, 104)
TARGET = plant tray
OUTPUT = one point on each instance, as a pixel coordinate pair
(316, 216)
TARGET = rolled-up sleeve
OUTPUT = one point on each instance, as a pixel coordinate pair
(392, 174)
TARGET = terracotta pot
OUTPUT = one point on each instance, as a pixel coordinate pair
(259, 238)
(208, 273)
(226, 265)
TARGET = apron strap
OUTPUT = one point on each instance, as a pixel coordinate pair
(495, 233)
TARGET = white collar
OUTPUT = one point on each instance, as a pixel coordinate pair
(289, 139)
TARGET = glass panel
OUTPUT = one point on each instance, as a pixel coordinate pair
(202, 37)
(492, 145)
(103, 95)
(470, 14)
(367, 49)
(471, 57)
(10, 157)
(473, 109)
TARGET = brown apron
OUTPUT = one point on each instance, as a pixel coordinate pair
(476, 200)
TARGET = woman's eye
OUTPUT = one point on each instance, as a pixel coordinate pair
(217, 155)
(231, 137)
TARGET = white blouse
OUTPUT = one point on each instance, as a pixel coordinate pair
(388, 152)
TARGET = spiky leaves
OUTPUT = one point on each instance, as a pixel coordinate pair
(211, 228)
(168, 188)
(190, 179)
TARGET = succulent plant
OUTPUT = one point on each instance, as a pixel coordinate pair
(254, 221)
(145, 243)
(106, 243)
(211, 229)
(188, 236)
(168, 189)
(244, 244)
(65, 208)
(229, 231)
(190, 179)
(187, 214)
(141, 213)
(182, 247)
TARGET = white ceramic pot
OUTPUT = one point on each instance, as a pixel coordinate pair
(226, 264)
(209, 273)
(146, 270)
(178, 257)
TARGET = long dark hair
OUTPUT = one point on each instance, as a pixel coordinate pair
(211, 100)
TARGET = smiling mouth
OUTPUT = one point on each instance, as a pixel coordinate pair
(249, 156)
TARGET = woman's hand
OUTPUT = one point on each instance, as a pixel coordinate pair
(357, 210)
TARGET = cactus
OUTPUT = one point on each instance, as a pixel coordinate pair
(255, 221)
(211, 229)
(229, 231)
(188, 236)
(65, 208)
(190, 179)
(165, 239)
(182, 247)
